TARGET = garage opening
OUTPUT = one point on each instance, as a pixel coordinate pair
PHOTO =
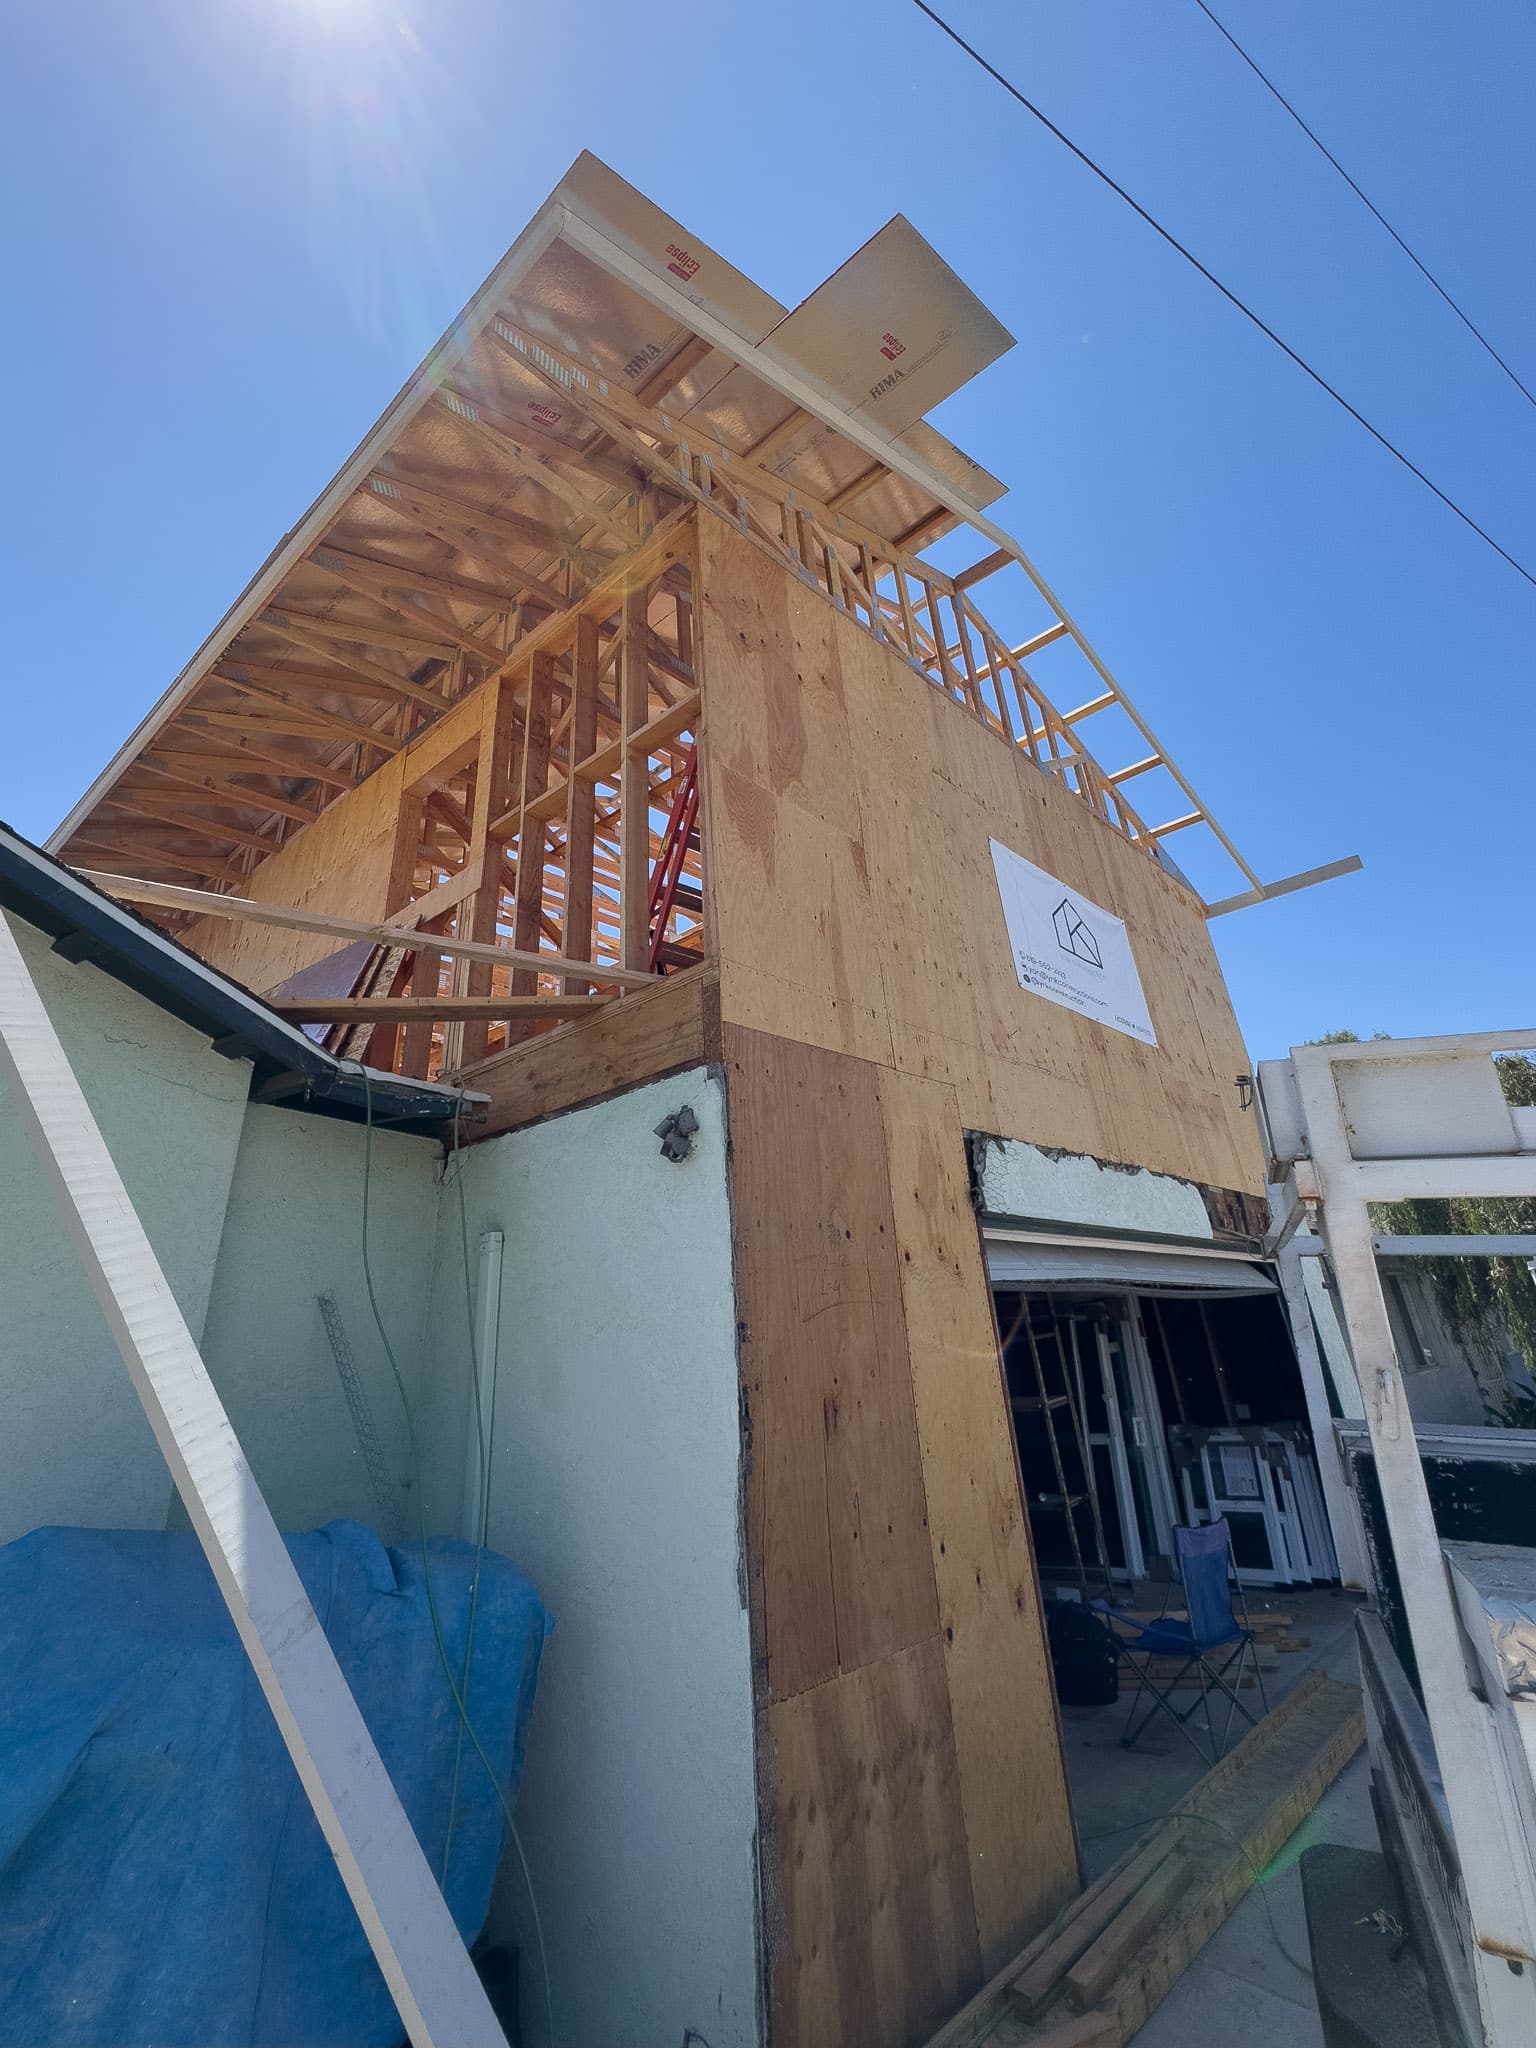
(1151, 1389)
(1148, 1389)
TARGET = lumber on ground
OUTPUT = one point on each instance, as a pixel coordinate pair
(1092, 1977)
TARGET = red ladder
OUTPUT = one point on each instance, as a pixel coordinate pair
(667, 874)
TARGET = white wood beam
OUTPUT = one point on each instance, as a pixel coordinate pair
(409, 1928)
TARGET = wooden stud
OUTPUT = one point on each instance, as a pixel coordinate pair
(580, 822)
(634, 783)
(528, 896)
(426, 968)
(499, 736)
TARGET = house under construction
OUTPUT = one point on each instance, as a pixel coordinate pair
(791, 939)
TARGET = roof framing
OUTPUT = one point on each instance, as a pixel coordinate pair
(342, 647)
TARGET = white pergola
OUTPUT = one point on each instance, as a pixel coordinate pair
(1385, 1121)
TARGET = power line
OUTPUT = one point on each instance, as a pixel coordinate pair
(1230, 296)
(1417, 262)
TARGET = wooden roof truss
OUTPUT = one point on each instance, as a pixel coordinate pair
(495, 525)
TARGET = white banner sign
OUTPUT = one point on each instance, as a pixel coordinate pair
(1068, 949)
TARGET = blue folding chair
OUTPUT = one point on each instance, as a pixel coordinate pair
(1212, 1642)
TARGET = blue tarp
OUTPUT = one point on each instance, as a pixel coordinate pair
(163, 1882)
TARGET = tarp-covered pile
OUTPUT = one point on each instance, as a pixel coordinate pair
(163, 1882)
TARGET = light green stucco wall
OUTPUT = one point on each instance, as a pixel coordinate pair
(76, 1446)
(616, 1488)
(616, 1469)
(292, 1230)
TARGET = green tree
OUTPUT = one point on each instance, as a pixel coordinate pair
(1480, 1299)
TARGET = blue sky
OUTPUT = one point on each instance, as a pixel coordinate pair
(234, 226)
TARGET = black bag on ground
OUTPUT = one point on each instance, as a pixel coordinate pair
(1084, 1659)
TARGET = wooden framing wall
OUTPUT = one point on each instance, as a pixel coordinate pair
(915, 1819)
(529, 816)
(859, 990)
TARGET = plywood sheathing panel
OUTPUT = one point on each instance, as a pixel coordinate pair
(340, 865)
(879, 1941)
(884, 1524)
(840, 1559)
(1013, 1793)
(871, 1014)
(850, 811)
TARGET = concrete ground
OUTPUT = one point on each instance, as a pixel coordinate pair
(1241, 1988)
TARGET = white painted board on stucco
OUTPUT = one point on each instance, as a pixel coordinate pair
(1022, 1180)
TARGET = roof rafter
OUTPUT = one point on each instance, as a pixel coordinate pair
(536, 468)
(344, 569)
(364, 632)
(273, 758)
(236, 669)
(210, 789)
(297, 632)
(285, 716)
(181, 766)
(172, 814)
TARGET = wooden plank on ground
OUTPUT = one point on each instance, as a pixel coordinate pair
(1039, 1981)
(1235, 1819)
(1091, 1975)
(1264, 1806)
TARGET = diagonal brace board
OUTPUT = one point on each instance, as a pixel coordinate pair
(409, 1928)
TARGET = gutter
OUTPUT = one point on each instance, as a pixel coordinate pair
(288, 1068)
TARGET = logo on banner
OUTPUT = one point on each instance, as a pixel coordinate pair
(1073, 935)
(1068, 950)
